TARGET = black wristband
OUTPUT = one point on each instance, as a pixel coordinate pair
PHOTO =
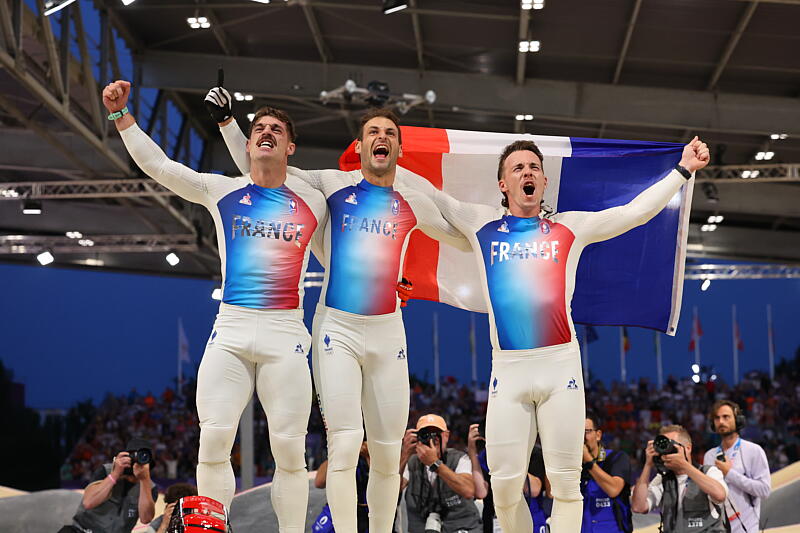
(684, 172)
(589, 464)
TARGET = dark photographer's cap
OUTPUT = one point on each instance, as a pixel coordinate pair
(137, 443)
(431, 421)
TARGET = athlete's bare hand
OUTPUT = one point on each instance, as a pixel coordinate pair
(695, 155)
(115, 95)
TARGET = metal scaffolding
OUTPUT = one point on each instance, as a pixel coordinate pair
(746, 271)
(34, 244)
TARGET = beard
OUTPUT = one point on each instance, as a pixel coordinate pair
(726, 432)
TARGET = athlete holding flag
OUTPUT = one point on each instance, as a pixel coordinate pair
(264, 222)
(527, 258)
(359, 348)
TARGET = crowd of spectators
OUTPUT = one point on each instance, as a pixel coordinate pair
(632, 414)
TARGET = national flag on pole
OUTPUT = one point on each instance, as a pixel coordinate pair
(697, 332)
(183, 344)
(626, 340)
(635, 279)
(737, 336)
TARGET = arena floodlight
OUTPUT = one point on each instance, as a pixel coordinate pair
(173, 259)
(45, 258)
(216, 294)
(695, 368)
(696, 378)
(128, 2)
(706, 284)
(251, 116)
(393, 6)
(31, 207)
(52, 6)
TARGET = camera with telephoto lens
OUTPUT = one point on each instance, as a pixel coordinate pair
(428, 435)
(663, 445)
(142, 456)
(433, 524)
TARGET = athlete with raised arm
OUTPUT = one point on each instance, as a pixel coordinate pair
(359, 349)
(527, 259)
(265, 221)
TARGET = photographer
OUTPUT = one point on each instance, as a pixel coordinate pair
(744, 465)
(171, 497)
(690, 498)
(119, 493)
(439, 480)
(604, 484)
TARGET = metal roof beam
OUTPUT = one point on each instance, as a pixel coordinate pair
(626, 42)
(546, 99)
(744, 20)
(31, 244)
(316, 33)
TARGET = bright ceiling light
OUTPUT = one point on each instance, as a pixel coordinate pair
(538, 4)
(45, 258)
(746, 174)
(393, 6)
(768, 155)
(530, 46)
(173, 259)
(251, 116)
(696, 378)
(86, 242)
(128, 2)
(74, 235)
(760, 156)
(52, 6)
(520, 117)
(526, 4)
(216, 294)
(695, 368)
(31, 207)
(706, 284)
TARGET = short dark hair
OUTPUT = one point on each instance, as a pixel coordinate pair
(179, 490)
(384, 112)
(721, 403)
(516, 146)
(594, 417)
(280, 114)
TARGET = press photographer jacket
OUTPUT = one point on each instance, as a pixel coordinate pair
(119, 513)
(424, 497)
(602, 513)
(694, 511)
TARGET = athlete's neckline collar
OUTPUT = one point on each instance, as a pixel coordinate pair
(266, 190)
(364, 184)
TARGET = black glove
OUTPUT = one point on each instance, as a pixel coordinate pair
(218, 100)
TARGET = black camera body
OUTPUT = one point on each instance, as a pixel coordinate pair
(663, 445)
(142, 456)
(427, 435)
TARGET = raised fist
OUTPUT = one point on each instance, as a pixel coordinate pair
(115, 95)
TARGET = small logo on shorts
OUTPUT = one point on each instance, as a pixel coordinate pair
(573, 384)
(395, 207)
(292, 206)
(545, 227)
(351, 199)
(246, 200)
(494, 387)
(327, 341)
(503, 227)
(401, 354)
(213, 336)
(299, 349)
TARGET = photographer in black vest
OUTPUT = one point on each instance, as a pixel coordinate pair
(440, 488)
(119, 493)
(690, 497)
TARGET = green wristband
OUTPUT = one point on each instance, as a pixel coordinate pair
(118, 114)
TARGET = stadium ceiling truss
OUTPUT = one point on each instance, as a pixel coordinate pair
(54, 73)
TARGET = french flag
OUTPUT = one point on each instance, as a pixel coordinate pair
(635, 279)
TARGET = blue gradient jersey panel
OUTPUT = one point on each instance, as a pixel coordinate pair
(369, 226)
(525, 263)
(267, 232)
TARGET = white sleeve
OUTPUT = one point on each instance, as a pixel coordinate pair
(178, 178)
(608, 223)
(462, 215)
(236, 142)
(406, 475)
(436, 226)
(655, 491)
(464, 465)
(716, 474)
